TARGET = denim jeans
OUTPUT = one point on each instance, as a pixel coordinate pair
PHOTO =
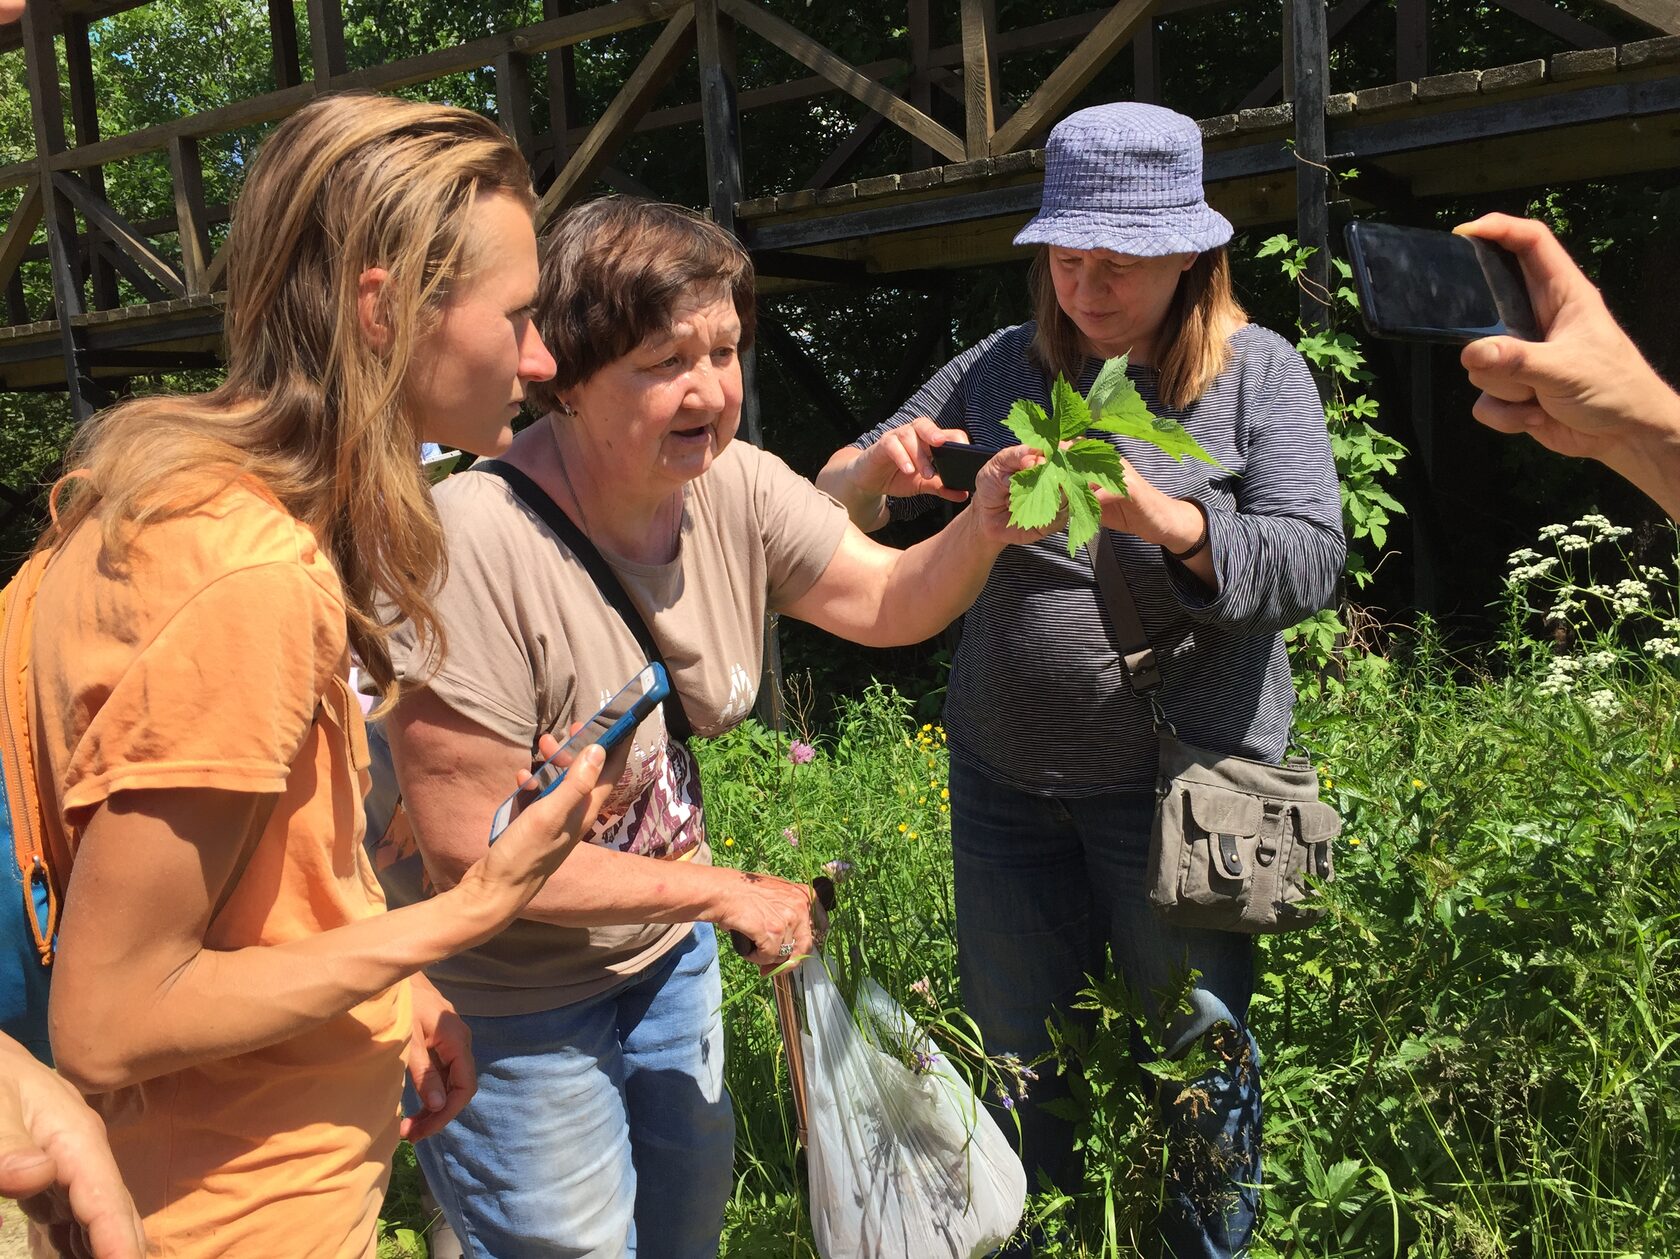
(601, 1129)
(1044, 887)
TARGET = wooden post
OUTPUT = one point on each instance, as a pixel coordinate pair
(187, 171)
(84, 117)
(513, 100)
(326, 39)
(921, 87)
(720, 121)
(1146, 64)
(282, 32)
(1411, 40)
(1310, 56)
(563, 110)
(41, 62)
(979, 41)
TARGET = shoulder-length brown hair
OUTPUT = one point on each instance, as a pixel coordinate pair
(1192, 347)
(310, 410)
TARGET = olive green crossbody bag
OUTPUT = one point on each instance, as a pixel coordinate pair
(1237, 843)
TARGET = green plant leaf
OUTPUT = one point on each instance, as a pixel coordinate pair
(1098, 463)
(1032, 427)
(1166, 435)
(1072, 415)
(1110, 381)
(1084, 513)
(1035, 495)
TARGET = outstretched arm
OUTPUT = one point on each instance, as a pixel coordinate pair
(1585, 390)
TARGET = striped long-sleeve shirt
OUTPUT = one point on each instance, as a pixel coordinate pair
(1037, 694)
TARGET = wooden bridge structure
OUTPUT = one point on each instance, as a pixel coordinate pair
(133, 296)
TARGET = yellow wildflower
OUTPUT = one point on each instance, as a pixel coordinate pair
(729, 841)
(902, 827)
(1417, 784)
(944, 793)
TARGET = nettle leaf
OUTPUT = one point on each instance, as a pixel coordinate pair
(1071, 413)
(1032, 427)
(1097, 463)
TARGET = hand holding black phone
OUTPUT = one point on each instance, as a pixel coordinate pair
(958, 464)
(1415, 284)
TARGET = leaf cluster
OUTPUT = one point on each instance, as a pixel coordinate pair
(1073, 463)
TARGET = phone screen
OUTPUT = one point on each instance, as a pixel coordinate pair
(958, 464)
(1418, 284)
(610, 727)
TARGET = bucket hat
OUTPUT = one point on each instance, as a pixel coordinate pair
(1126, 177)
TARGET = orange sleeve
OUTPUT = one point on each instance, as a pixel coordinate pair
(221, 696)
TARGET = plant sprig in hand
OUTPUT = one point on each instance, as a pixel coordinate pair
(1068, 472)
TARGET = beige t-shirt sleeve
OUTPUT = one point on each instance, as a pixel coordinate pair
(495, 668)
(799, 525)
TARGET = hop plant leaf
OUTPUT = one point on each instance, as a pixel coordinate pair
(1074, 463)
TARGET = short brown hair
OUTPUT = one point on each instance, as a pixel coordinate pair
(614, 272)
(1191, 349)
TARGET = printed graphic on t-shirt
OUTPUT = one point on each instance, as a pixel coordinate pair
(743, 692)
(655, 809)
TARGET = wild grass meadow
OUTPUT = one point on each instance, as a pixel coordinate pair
(1476, 1054)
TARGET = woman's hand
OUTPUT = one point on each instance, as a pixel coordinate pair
(900, 465)
(781, 920)
(538, 840)
(440, 1061)
(990, 508)
(54, 1160)
(1174, 524)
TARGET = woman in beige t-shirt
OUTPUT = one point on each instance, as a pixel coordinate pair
(603, 1001)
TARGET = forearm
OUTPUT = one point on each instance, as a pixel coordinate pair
(1651, 459)
(602, 887)
(928, 586)
(867, 508)
(220, 1004)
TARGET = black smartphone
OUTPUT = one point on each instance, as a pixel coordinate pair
(1415, 284)
(958, 463)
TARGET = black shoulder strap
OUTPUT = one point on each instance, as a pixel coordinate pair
(1125, 625)
(606, 581)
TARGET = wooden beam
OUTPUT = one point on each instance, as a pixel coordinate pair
(844, 76)
(1146, 63)
(1554, 21)
(918, 90)
(1310, 47)
(513, 100)
(216, 273)
(980, 73)
(1411, 40)
(144, 284)
(282, 34)
(326, 39)
(631, 103)
(562, 83)
(84, 120)
(720, 113)
(1662, 16)
(20, 230)
(99, 214)
(1069, 79)
(186, 170)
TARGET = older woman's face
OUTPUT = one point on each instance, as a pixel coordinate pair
(663, 412)
(1117, 301)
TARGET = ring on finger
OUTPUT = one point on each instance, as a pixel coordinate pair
(786, 950)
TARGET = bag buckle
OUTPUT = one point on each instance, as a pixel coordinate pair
(1229, 857)
(1269, 829)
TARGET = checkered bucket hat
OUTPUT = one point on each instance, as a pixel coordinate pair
(1126, 177)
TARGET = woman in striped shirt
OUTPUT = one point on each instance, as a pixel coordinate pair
(1053, 759)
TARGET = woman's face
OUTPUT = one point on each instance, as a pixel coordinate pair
(469, 372)
(1117, 301)
(663, 412)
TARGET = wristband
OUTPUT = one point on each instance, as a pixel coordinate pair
(1201, 543)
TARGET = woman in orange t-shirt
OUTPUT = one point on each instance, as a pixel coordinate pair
(228, 988)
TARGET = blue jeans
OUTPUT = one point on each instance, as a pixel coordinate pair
(601, 1129)
(1046, 885)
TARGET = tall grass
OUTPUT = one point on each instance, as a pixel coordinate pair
(1476, 1054)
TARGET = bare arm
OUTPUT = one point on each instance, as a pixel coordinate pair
(137, 993)
(1585, 390)
(882, 597)
(453, 769)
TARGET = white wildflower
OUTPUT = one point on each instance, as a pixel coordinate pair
(1523, 555)
(1602, 705)
(1553, 531)
(1528, 572)
(1599, 661)
(1573, 542)
(1663, 648)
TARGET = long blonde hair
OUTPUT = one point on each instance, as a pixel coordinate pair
(310, 409)
(1192, 347)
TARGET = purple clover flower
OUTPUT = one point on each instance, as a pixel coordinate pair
(791, 834)
(801, 753)
(838, 870)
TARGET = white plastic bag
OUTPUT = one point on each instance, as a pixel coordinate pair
(903, 1165)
